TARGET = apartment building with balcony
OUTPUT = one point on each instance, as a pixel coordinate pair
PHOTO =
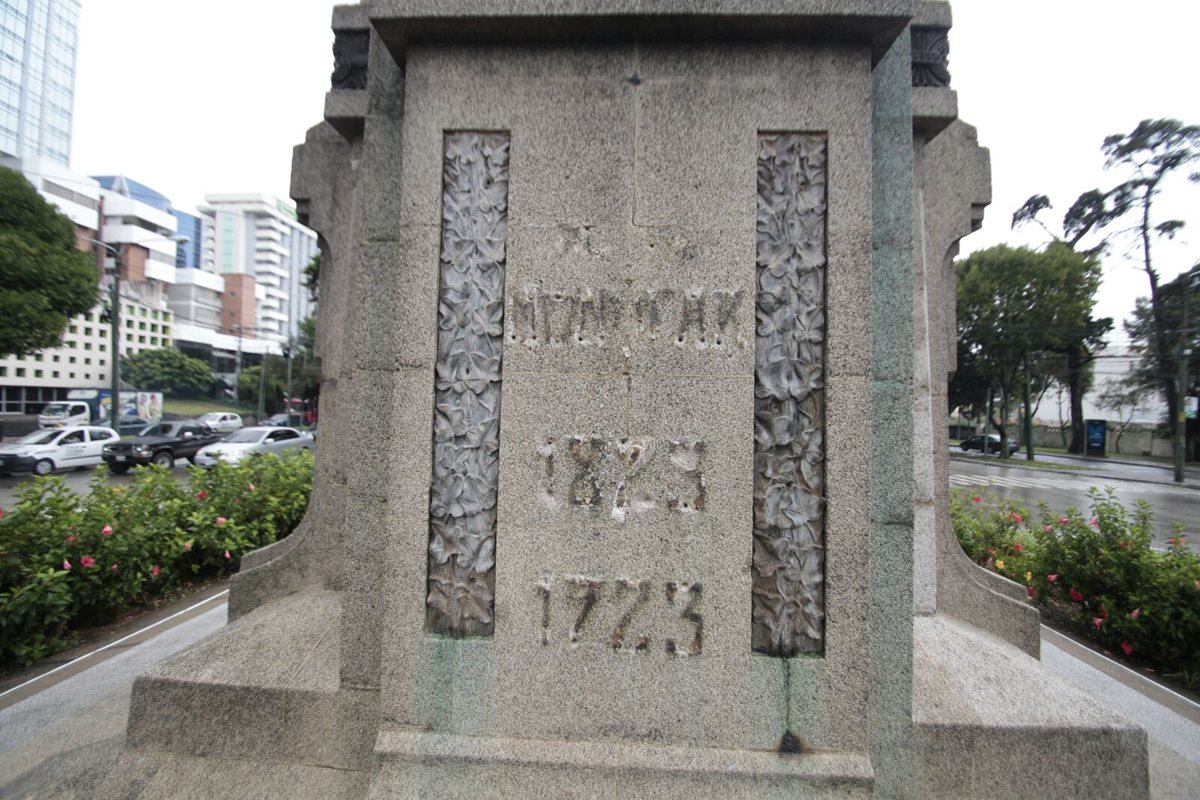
(257, 244)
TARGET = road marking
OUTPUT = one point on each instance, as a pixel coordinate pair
(75, 662)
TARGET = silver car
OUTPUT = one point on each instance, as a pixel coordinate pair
(248, 441)
(224, 421)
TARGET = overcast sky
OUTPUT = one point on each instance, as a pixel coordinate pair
(202, 98)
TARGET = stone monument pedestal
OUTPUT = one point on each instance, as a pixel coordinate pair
(634, 320)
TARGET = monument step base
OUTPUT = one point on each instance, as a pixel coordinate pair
(420, 765)
(172, 776)
(265, 687)
(992, 722)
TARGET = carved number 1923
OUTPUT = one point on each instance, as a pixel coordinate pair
(584, 594)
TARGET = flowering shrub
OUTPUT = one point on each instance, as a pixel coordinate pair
(1095, 574)
(69, 560)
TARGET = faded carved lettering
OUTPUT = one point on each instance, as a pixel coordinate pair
(588, 605)
(630, 475)
(788, 608)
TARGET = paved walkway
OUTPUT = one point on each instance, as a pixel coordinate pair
(60, 735)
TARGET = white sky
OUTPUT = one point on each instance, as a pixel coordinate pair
(197, 98)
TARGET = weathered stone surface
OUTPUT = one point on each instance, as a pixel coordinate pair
(597, 249)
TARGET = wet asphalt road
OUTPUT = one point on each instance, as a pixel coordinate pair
(1063, 489)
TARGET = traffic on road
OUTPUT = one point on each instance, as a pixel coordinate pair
(75, 450)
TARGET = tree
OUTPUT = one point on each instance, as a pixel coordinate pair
(251, 380)
(1148, 155)
(44, 279)
(1180, 325)
(1078, 347)
(168, 371)
(1014, 306)
(1123, 398)
(312, 277)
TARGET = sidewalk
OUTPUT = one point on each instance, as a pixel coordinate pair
(61, 736)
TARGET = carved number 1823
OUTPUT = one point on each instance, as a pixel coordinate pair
(631, 597)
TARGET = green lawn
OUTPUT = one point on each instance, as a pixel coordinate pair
(194, 408)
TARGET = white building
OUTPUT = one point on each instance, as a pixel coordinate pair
(258, 236)
(38, 40)
(134, 223)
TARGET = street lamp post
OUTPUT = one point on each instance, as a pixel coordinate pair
(117, 251)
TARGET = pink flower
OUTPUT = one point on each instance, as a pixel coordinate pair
(1097, 621)
(1076, 596)
(227, 554)
(1052, 578)
(187, 546)
(220, 520)
(66, 565)
(1018, 547)
(106, 530)
(1063, 520)
(155, 570)
(1047, 528)
(1016, 518)
(71, 540)
(1127, 648)
(115, 569)
(87, 561)
(201, 495)
(1031, 592)
(976, 499)
(1137, 612)
(251, 487)
(1095, 523)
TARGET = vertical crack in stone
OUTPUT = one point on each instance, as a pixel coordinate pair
(788, 607)
(466, 432)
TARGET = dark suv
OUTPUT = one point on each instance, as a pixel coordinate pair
(992, 440)
(161, 444)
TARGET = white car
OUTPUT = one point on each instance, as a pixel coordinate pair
(223, 421)
(44, 451)
(248, 441)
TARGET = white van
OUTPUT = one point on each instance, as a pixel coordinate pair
(65, 414)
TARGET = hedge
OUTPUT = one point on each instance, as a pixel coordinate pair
(70, 561)
(1095, 574)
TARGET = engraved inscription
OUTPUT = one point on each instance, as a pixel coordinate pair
(466, 436)
(627, 608)
(695, 318)
(788, 606)
(623, 476)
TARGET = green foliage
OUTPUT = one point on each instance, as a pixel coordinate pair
(312, 277)
(68, 560)
(169, 371)
(44, 280)
(1096, 575)
(1141, 327)
(1017, 305)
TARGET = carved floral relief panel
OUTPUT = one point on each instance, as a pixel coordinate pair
(466, 434)
(788, 607)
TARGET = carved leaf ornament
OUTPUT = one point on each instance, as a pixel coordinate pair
(788, 608)
(466, 428)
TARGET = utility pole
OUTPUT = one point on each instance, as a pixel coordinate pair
(1181, 412)
(114, 321)
(262, 389)
(1027, 433)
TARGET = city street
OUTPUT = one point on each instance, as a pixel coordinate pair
(77, 480)
(1063, 489)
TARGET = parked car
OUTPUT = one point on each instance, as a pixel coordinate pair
(248, 441)
(976, 442)
(44, 451)
(130, 425)
(276, 421)
(160, 444)
(223, 421)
